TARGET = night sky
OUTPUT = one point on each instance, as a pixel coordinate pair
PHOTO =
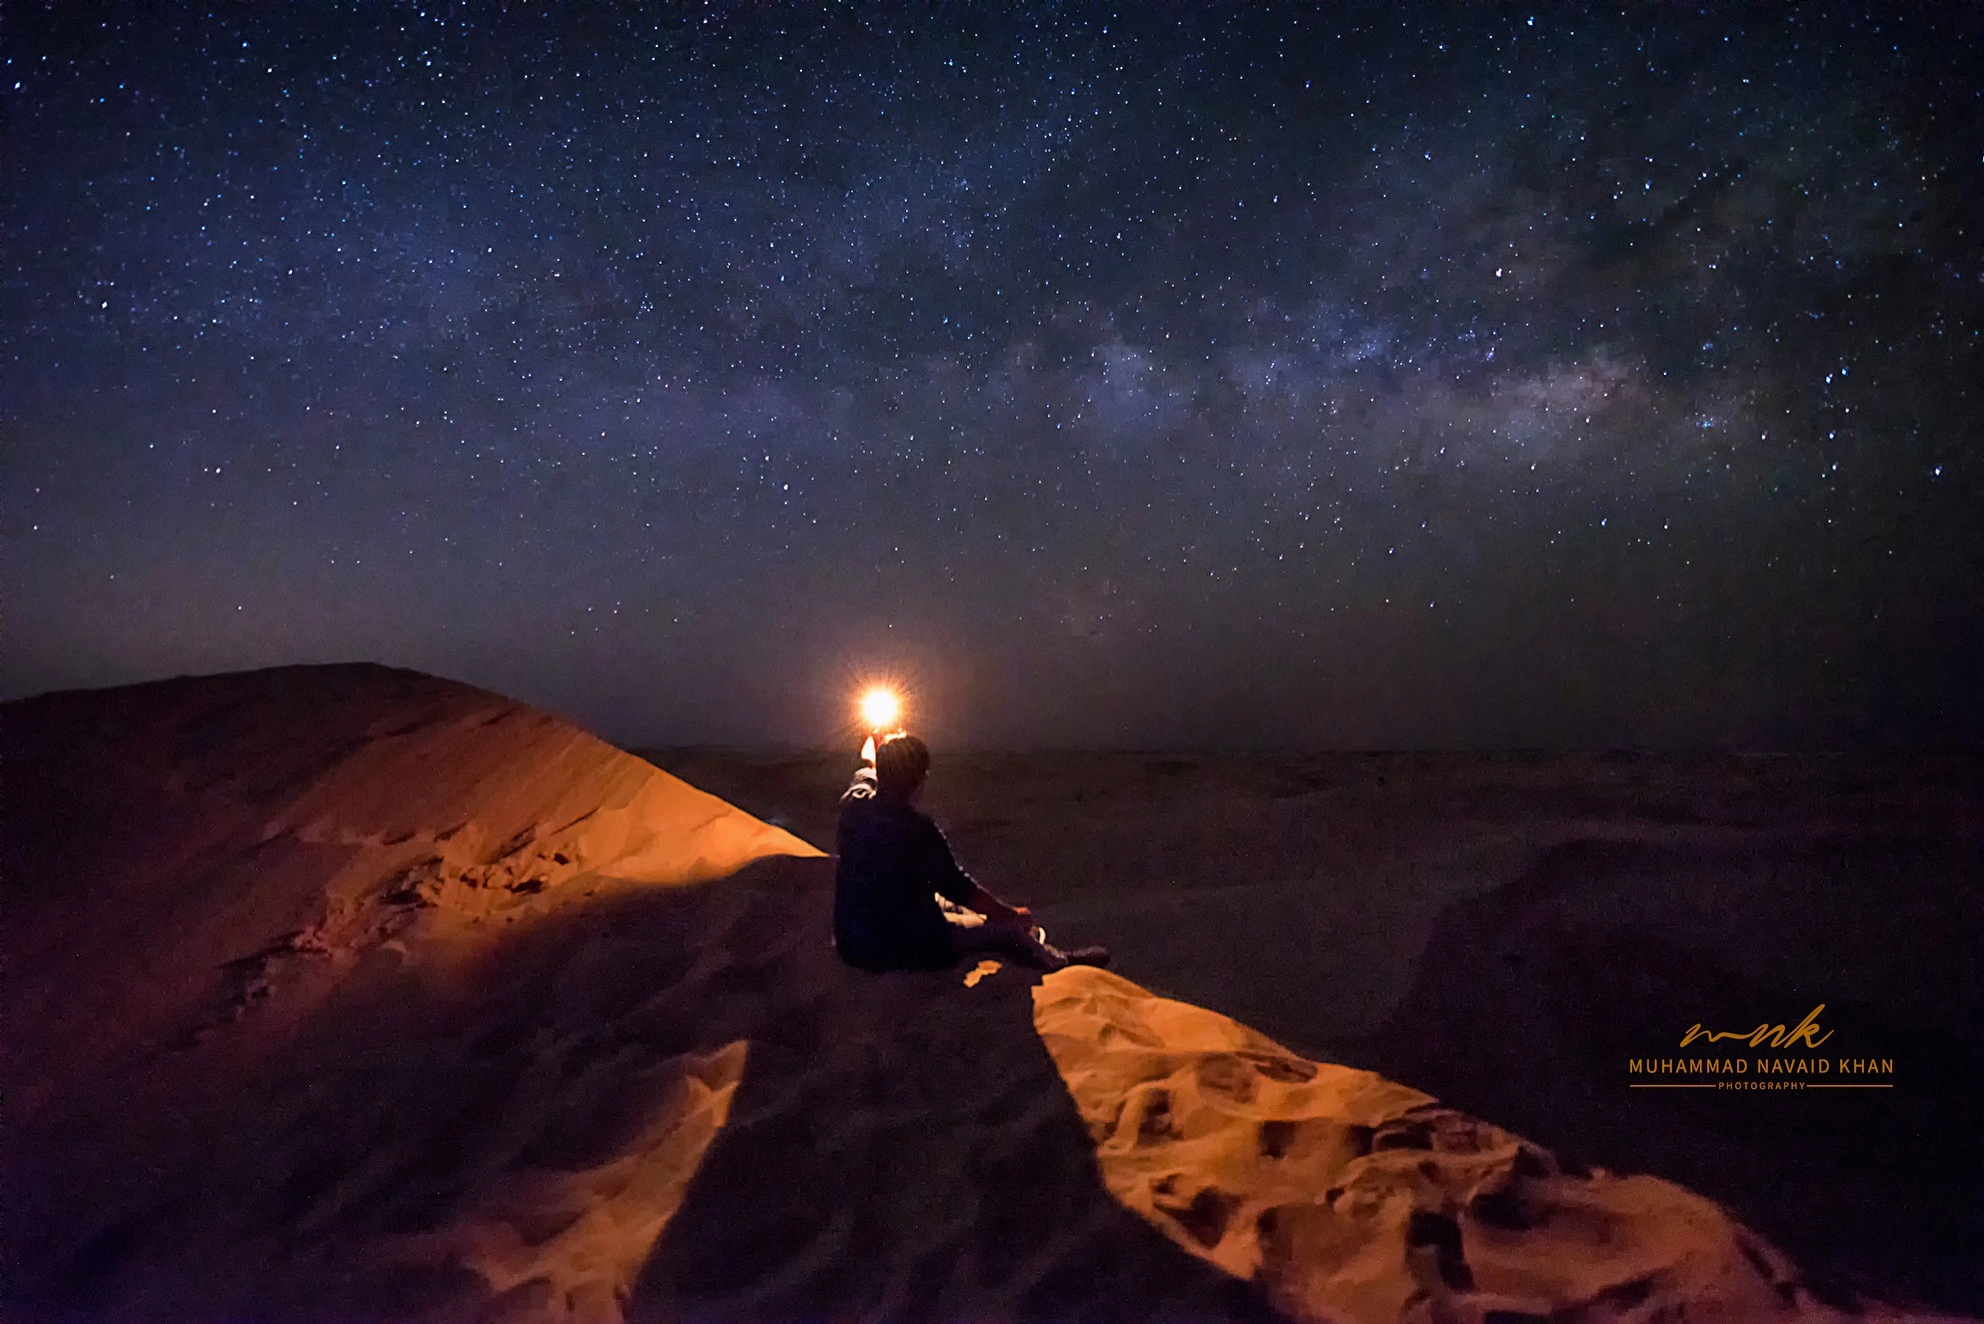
(1363, 376)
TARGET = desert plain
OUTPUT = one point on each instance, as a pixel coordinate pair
(352, 993)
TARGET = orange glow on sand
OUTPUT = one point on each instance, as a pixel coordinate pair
(881, 708)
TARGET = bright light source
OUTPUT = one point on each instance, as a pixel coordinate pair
(880, 708)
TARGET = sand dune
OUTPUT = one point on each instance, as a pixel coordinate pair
(346, 993)
(202, 876)
(300, 816)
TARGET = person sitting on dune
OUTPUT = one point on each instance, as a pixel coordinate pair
(895, 864)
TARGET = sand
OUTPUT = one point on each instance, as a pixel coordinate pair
(1349, 1196)
(348, 993)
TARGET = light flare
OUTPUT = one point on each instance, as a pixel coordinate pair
(881, 708)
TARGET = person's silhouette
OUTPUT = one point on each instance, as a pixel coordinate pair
(895, 865)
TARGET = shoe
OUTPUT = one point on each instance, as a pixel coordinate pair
(1095, 956)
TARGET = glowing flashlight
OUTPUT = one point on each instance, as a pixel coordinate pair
(880, 709)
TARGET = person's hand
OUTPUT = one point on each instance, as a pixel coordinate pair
(868, 750)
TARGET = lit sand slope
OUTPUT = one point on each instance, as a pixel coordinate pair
(215, 890)
(304, 811)
(1349, 1197)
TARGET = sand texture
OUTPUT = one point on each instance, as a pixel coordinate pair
(342, 993)
(1350, 1197)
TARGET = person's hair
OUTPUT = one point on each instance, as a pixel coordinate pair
(901, 762)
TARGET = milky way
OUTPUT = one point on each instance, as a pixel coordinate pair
(1379, 376)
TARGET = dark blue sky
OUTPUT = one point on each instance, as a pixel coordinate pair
(1384, 375)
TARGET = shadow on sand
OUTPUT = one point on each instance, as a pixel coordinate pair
(903, 1147)
(899, 1146)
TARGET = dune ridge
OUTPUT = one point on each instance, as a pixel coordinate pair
(1351, 1197)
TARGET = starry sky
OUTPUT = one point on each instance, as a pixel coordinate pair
(1353, 376)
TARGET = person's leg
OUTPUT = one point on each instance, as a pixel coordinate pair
(1016, 941)
(1024, 943)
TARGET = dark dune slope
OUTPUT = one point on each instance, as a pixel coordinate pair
(1529, 1002)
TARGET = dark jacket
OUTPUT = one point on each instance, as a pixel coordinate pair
(893, 862)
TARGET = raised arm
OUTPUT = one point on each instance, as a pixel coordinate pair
(863, 786)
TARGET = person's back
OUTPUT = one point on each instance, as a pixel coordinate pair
(894, 863)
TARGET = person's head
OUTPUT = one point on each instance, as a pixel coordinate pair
(901, 763)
